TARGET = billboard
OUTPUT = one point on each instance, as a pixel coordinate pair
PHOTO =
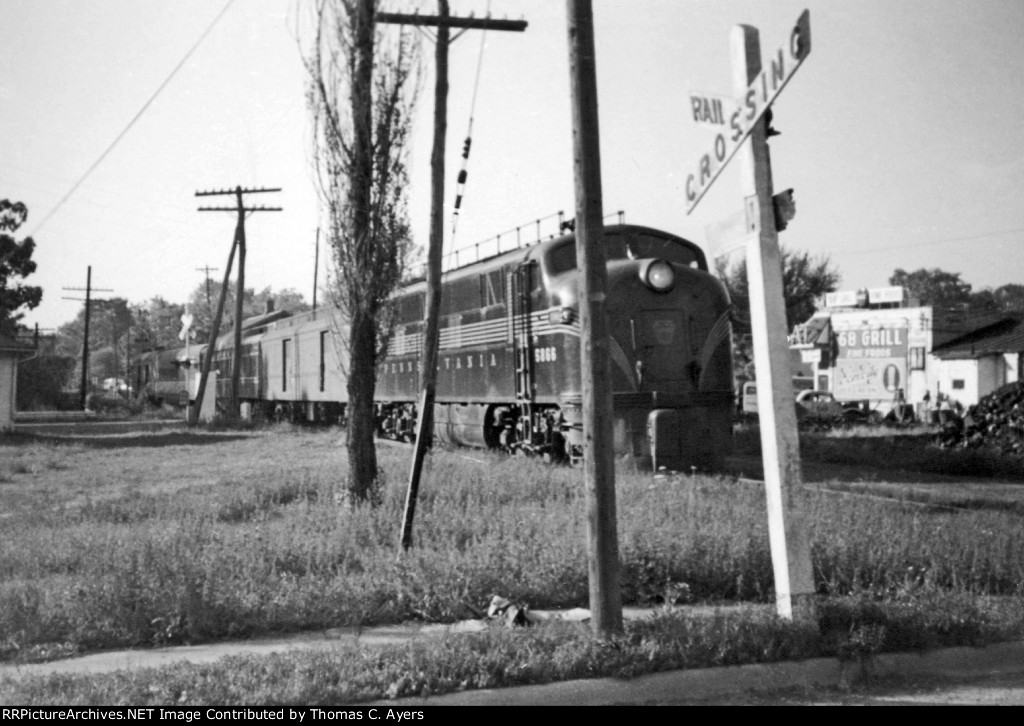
(871, 361)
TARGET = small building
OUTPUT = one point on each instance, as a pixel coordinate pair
(880, 347)
(973, 365)
(11, 351)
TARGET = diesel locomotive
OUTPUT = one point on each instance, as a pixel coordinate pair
(509, 355)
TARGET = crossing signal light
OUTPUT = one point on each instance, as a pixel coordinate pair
(785, 208)
(465, 147)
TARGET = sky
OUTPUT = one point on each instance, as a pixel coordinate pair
(900, 134)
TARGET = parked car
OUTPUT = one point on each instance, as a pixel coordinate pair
(820, 406)
(748, 393)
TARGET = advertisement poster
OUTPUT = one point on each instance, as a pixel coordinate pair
(872, 362)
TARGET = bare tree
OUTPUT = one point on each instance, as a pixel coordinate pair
(362, 93)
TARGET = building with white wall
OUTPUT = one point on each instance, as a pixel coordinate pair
(877, 345)
(11, 351)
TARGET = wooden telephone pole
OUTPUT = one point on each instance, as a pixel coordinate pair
(598, 456)
(207, 269)
(88, 290)
(239, 245)
(428, 370)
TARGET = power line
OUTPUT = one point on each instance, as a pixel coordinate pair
(135, 118)
(935, 242)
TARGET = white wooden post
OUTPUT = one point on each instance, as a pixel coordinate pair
(780, 443)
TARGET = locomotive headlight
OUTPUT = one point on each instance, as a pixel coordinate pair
(658, 275)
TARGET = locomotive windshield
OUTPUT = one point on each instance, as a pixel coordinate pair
(631, 245)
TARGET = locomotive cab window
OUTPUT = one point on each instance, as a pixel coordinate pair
(492, 287)
(459, 296)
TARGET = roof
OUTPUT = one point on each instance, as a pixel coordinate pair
(1004, 336)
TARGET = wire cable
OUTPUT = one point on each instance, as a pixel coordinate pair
(135, 118)
(461, 184)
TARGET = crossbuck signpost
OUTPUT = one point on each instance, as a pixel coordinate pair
(753, 99)
(755, 89)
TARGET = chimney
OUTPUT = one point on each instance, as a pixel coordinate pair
(270, 305)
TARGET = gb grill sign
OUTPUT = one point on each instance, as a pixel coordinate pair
(735, 118)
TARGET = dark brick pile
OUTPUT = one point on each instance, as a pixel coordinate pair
(996, 422)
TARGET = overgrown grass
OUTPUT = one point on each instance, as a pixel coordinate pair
(850, 628)
(155, 544)
(909, 449)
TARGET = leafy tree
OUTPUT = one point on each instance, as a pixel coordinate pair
(15, 264)
(361, 97)
(110, 325)
(934, 287)
(804, 281)
(42, 380)
(156, 324)
(1007, 298)
(203, 307)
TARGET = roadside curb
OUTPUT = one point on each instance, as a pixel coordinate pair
(705, 684)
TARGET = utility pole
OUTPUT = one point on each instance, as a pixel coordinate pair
(88, 290)
(239, 244)
(316, 265)
(428, 370)
(211, 345)
(598, 456)
(207, 269)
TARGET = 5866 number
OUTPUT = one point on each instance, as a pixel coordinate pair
(545, 355)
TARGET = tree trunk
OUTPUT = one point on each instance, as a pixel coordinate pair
(363, 350)
(362, 454)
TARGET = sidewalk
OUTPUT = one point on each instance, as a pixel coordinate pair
(674, 687)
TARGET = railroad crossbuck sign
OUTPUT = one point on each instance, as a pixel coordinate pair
(737, 120)
(186, 327)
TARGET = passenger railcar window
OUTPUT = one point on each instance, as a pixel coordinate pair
(323, 358)
(284, 364)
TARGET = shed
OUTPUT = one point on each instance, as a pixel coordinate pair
(973, 365)
(11, 351)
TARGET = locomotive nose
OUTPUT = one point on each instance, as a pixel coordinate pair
(658, 275)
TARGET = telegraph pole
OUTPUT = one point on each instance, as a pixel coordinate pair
(239, 244)
(211, 346)
(598, 456)
(207, 269)
(316, 265)
(428, 371)
(88, 290)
